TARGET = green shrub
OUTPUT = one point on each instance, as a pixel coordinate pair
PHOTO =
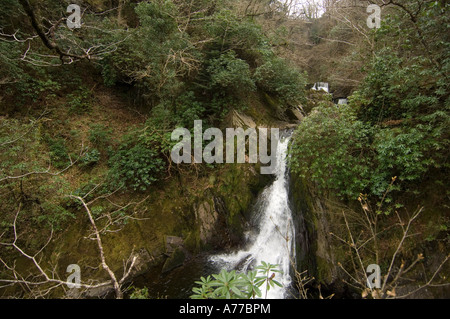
(79, 101)
(58, 152)
(91, 158)
(231, 73)
(54, 215)
(234, 285)
(135, 166)
(188, 109)
(140, 293)
(348, 156)
(330, 148)
(277, 77)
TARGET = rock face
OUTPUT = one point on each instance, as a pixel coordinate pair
(242, 120)
(176, 253)
(175, 260)
(315, 252)
(143, 262)
(173, 243)
(295, 114)
(207, 218)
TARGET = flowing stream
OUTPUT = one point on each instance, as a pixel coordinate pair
(273, 239)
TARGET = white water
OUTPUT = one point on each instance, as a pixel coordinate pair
(342, 101)
(321, 86)
(273, 240)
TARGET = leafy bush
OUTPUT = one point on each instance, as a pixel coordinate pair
(79, 101)
(58, 152)
(277, 77)
(54, 215)
(341, 153)
(234, 285)
(135, 166)
(234, 33)
(188, 109)
(330, 148)
(231, 73)
(90, 158)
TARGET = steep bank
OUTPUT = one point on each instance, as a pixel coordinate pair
(194, 210)
(327, 259)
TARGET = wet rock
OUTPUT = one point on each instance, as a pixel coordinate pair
(99, 292)
(207, 216)
(143, 262)
(242, 120)
(174, 261)
(173, 243)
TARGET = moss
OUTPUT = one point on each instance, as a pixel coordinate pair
(263, 108)
(323, 273)
(175, 260)
(235, 186)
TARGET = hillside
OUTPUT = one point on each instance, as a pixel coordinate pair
(88, 112)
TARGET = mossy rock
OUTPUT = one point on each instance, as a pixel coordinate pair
(174, 261)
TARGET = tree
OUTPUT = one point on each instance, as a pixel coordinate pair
(67, 46)
(46, 280)
(366, 242)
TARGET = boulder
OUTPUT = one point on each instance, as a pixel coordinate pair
(242, 120)
(172, 243)
(206, 216)
(174, 261)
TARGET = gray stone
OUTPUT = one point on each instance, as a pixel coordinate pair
(172, 243)
(206, 216)
(174, 261)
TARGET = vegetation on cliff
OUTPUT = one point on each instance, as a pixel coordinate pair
(86, 116)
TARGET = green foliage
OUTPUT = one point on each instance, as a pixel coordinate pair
(341, 153)
(79, 101)
(230, 73)
(234, 285)
(188, 109)
(403, 149)
(58, 152)
(90, 159)
(200, 66)
(140, 293)
(20, 141)
(329, 148)
(397, 122)
(153, 55)
(135, 165)
(54, 215)
(99, 135)
(235, 33)
(22, 83)
(277, 77)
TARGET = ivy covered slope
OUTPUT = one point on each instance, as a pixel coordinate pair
(89, 118)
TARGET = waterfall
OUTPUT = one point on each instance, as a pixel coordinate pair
(321, 86)
(273, 239)
(342, 101)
